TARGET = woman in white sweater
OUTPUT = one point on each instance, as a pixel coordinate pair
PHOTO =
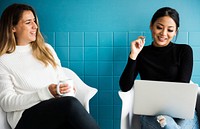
(29, 73)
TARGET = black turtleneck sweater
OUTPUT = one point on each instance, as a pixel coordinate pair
(170, 63)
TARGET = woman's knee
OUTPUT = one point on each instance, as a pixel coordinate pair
(149, 122)
(71, 104)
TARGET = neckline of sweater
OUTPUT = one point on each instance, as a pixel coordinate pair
(24, 48)
(165, 48)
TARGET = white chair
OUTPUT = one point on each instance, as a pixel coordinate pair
(83, 93)
(128, 119)
(132, 121)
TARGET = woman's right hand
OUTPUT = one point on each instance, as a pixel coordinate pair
(136, 47)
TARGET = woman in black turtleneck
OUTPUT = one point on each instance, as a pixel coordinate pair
(160, 61)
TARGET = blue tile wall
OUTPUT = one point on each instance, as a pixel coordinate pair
(93, 39)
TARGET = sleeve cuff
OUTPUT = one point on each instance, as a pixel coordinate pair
(44, 94)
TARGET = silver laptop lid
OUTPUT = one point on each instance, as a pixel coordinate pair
(165, 98)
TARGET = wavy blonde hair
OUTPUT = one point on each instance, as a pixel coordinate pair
(9, 18)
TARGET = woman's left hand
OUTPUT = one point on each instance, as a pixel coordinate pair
(53, 90)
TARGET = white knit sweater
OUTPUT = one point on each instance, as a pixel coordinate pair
(24, 81)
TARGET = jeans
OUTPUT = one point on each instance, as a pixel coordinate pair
(150, 122)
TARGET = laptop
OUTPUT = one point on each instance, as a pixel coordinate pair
(177, 100)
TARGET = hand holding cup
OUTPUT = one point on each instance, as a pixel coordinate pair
(66, 88)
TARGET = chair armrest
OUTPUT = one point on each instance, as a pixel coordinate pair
(127, 108)
(85, 95)
(83, 92)
(198, 103)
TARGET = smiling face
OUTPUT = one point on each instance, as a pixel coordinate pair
(163, 30)
(26, 28)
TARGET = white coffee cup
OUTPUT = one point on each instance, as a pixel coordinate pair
(70, 83)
